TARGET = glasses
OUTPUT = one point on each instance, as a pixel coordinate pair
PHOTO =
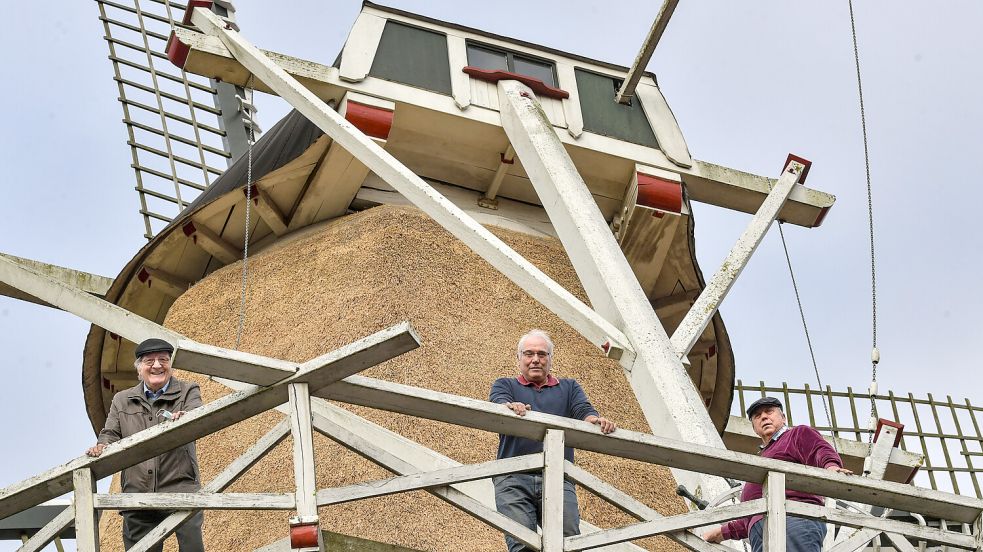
(539, 354)
(149, 362)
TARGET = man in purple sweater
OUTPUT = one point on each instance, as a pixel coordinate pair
(799, 444)
(520, 496)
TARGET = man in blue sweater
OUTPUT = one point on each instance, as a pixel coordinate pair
(520, 496)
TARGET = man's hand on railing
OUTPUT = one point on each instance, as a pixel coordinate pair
(96, 450)
(715, 536)
(838, 469)
(607, 426)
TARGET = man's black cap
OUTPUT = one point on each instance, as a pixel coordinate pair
(763, 402)
(153, 345)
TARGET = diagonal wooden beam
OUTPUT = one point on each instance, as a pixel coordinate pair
(89, 283)
(221, 481)
(627, 90)
(50, 531)
(425, 480)
(665, 525)
(513, 265)
(212, 417)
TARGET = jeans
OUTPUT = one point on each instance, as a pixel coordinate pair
(801, 535)
(519, 496)
(137, 523)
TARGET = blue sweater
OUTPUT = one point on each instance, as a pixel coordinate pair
(565, 399)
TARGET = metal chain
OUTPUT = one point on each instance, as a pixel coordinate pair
(875, 355)
(249, 200)
(805, 328)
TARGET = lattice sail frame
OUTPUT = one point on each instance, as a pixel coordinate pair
(183, 130)
(946, 432)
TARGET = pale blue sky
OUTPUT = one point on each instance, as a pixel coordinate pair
(748, 82)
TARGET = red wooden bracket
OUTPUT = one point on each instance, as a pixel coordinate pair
(373, 121)
(660, 193)
(792, 157)
(881, 423)
(537, 86)
(304, 535)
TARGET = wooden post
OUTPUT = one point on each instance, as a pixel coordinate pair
(303, 437)
(553, 491)
(86, 519)
(774, 492)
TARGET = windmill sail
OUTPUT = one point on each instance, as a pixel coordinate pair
(183, 130)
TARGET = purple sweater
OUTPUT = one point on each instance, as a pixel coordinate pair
(800, 444)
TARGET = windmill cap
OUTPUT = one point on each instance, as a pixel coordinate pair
(763, 402)
(153, 345)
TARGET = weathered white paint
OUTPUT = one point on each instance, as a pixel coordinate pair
(89, 283)
(707, 304)
(50, 531)
(360, 48)
(457, 58)
(552, 508)
(774, 529)
(303, 445)
(195, 501)
(456, 221)
(638, 66)
(229, 363)
(566, 78)
(664, 125)
(671, 404)
(86, 519)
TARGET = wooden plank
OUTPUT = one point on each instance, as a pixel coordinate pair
(457, 55)
(478, 238)
(332, 188)
(165, 282)
(633, 507)
(425, 480)
(86, 518)
(665, 525)
(659, 24)
(360, 48)
(50, 531)
(671, 404)
(553, 491)
(231, 364)
(567, 80)
(210, 418)
(303, 441)
(774, 529)
(89, 283)
(918, 532)
(221, 481)
(664, 125)
(708, 303)
(269, 212)
(195, 501)
(672, 453)
(859, 539)
(214, 245)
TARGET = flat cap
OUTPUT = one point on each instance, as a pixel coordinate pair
(763, 402)
(153, 345)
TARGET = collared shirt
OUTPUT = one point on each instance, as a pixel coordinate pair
(774, 437)
(154, 395)
(550, 382)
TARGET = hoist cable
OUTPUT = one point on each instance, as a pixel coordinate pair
(245, 246)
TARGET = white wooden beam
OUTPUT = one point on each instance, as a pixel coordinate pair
(774, 529)
(665, 525)
(425, 480)
(195, 501)
(581, 317)
(221, 481)
(89, 283)
(360, 48)
(670, 402)
(86, 518)
(707, 304)
(210, 418)
(268, 211)
(627, 89)
(303, 441)
(635, 508)
(553, 491)
(332, 187)
(50, 531)
(229, 363)
(654, 449)
(165, 282)
(917, 532)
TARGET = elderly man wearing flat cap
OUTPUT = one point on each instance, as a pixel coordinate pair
(158, 398)
(799, 444)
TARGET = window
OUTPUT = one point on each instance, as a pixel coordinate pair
(487, 57)
(413, 56)
(603, 115)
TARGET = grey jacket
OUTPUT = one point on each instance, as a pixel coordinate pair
(173, 471)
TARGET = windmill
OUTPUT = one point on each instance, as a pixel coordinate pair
(204, 239)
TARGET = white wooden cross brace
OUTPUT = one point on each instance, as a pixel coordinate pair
(696, 320)
(552, 507)
(670, 402)
(211, 417)
(510, 263)
(86, 518)
(50, 531)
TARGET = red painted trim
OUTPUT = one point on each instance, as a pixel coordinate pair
(253, 193)
(537, 86)
(882, 422)
(821, 217)
(804, 161)
(177, 51)
(189, 228)
(191, 7)
(660, 193)
(501, 157)
(304, 536)
(143, 276)
(711, 351)
(373, 121)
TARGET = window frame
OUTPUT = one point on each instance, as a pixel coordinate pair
(510, 56)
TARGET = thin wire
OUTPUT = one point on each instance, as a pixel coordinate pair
(249, 200)
(875, 354)
(805, 328)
